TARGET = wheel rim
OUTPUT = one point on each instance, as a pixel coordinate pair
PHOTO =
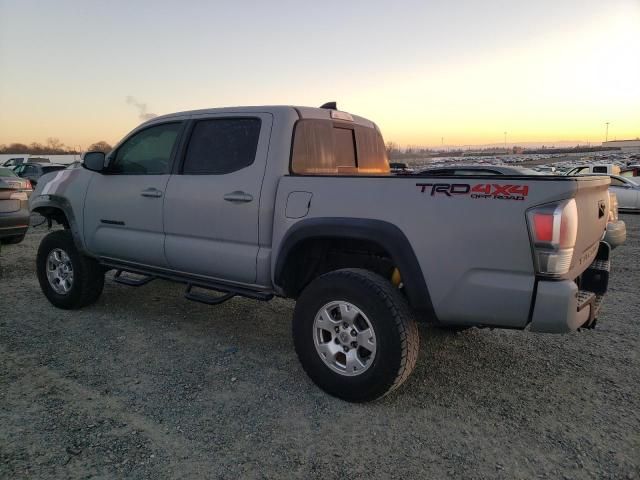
(344, 338)
(59, 271)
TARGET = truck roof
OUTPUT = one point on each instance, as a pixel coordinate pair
(276, 110)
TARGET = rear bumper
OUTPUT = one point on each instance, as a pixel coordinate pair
(14, 223)
(562, 306)
(616, 233)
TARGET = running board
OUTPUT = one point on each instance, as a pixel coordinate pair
(132, 282)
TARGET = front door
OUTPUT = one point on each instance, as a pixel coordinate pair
(123, 207)
(212, 201)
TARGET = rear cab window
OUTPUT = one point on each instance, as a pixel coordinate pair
(329, 147)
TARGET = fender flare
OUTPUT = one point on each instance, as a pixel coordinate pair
(55, 202)
(385, 234)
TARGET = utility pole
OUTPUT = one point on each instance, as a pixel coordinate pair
(606, 134)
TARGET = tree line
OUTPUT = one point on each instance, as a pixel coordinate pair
(53, 146)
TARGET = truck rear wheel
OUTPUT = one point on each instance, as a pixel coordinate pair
(67, 278)
(355, 335)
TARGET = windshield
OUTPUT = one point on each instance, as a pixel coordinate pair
(6, 172)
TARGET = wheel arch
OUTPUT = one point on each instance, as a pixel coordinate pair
(59, 210)
(386, 236)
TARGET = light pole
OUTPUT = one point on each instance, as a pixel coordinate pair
(606, 132)
(505, 141)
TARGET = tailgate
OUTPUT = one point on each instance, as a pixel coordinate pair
(592, 201)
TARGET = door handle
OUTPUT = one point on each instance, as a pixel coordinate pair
(151, 192)
(238, 197)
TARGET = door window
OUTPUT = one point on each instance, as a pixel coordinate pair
(222, 145)
(147, 152)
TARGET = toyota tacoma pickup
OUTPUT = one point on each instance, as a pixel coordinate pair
(298, 202)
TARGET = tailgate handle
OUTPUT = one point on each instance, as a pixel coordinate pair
(238, 197)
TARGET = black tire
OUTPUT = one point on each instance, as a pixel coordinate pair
(13, 240)
(397, 338)
(88, 275)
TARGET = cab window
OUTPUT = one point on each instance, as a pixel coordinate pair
(147, 152)
(325, 147)
(221, 146)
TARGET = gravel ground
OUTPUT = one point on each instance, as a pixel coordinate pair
(145, 384)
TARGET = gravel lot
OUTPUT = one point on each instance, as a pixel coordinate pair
(145, 384)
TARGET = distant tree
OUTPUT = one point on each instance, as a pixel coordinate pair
(54, 145)
(36, 148)
(391, 148)
(100, 146)
(17, 148)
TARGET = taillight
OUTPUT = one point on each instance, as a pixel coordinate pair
(553, 229)
(613, 207)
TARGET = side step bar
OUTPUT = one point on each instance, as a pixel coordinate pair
(208, 299)
(132, 282)
(228, 291)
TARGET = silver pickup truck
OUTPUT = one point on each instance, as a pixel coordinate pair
(298, 202)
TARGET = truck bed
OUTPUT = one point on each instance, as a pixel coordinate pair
(469, 233)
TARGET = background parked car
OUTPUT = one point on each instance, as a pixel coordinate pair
(400, 168)
(12, 179)
(33, 171)
(14, 208)
(630, 171)
(628, 192)
(15, 161)
(478, 170)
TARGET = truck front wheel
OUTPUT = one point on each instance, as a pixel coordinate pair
(355, 335)
(67, 278)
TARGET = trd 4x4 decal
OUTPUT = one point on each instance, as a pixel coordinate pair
(482, 190)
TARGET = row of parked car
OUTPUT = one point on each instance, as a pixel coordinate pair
(18, 177)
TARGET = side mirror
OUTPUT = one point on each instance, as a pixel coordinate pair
(94, 161)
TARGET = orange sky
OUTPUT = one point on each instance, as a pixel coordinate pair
(545, 72)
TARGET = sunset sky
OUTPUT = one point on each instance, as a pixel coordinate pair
(465, 70)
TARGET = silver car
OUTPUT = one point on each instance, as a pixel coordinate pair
(628, 192)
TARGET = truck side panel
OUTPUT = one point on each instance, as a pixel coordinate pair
(473, 248)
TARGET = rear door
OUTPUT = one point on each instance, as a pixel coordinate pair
(212, 201)
(123, 207)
